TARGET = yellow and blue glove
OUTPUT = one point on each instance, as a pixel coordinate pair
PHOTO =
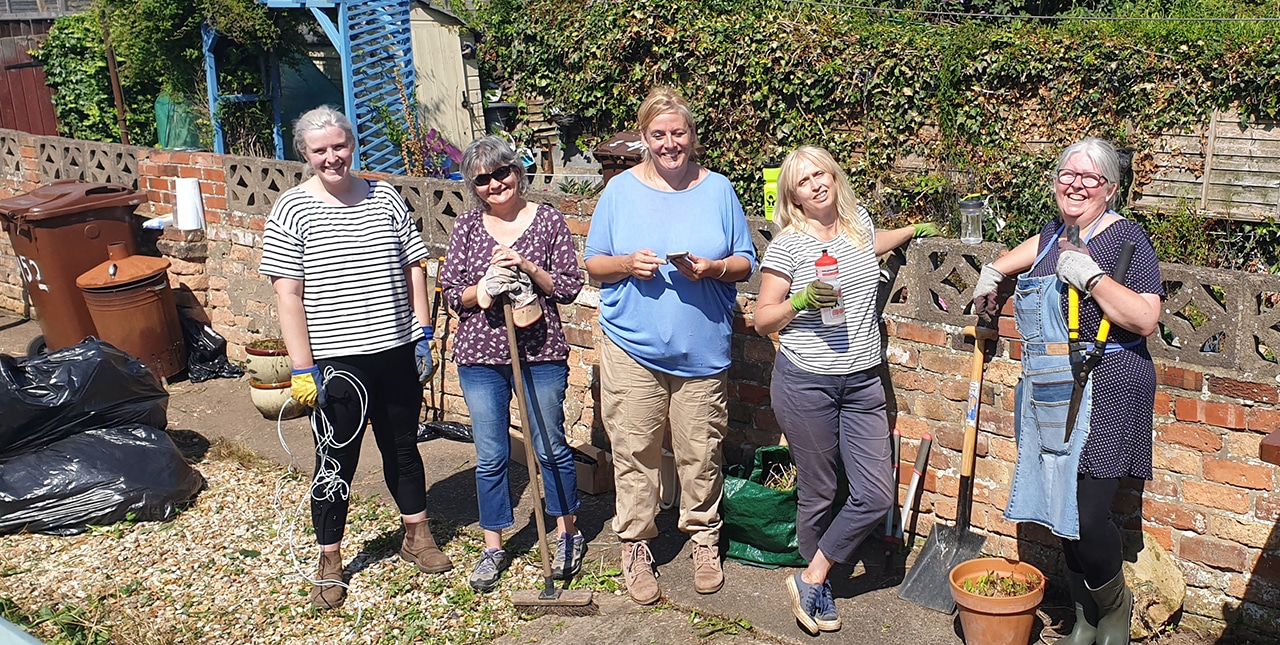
(816, 295)
(422, 354)
(308, 387)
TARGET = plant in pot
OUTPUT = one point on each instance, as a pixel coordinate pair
(997, 599)
(268, 361)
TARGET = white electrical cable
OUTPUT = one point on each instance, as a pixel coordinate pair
(326, 475)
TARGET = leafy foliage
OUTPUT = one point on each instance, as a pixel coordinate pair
(919, 112)
(158, 48)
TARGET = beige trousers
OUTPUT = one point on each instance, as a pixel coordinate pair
(637, 403)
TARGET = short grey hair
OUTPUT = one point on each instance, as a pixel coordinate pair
(486, 154)
(1104, 158)
(317, 119)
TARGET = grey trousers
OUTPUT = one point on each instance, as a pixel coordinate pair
(834, 421)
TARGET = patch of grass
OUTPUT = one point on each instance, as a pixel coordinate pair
(61, 624)
(708, 626)
(234, 451)
(598, 577)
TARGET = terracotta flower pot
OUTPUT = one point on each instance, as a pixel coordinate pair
(996, 621)
(268, 361)
(271, 398)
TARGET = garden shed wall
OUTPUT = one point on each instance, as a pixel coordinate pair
(1212, 504)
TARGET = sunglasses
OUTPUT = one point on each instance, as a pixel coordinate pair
(500, 173)
(1087, 179)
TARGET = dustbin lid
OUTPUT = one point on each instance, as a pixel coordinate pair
(67, 197)
(121, 269)
(625, 145)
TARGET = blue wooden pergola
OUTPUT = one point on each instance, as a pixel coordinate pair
(375, 47)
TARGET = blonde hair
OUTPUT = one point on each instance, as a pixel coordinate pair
(790, 216)
(666, 100)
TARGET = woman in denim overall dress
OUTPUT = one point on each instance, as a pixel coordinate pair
(1068, 485)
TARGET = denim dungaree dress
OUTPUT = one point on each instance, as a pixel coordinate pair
(1044, 479)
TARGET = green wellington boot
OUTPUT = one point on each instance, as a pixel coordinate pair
(1115, 609)
(1086, 628)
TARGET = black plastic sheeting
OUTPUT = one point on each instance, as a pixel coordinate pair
(91, 385)
(78, 444)
(96, 477)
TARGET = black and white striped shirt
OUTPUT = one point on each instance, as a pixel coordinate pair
(351, 261)
(835, 349)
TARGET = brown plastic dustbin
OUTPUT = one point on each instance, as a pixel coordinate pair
(133, 308)
(58, 232)
(622, 151)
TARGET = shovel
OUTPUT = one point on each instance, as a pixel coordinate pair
(926, 584)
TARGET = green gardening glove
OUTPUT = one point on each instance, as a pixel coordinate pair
(816, 295)
(925, 229)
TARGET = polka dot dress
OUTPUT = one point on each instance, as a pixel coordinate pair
(1124, 383)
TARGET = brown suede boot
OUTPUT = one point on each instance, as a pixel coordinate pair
(329, 590)
(420, 549)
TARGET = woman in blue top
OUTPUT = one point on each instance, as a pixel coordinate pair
(826, 387)
(1068, 484)
(668, 241)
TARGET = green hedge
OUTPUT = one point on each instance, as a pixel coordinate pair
(963, 98)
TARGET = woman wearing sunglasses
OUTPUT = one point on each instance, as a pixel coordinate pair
(512, 246)
(1068, 482)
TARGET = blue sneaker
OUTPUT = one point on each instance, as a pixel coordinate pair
(805, 602)
(826, 617)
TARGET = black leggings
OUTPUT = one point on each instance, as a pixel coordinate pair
(394, 401)
(1097, 554)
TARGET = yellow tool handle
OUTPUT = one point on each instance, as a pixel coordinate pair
(1073, 315)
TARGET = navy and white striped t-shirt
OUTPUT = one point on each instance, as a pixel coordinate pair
(351, 261)
(809, 344)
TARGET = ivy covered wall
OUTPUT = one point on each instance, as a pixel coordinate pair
(919, 111)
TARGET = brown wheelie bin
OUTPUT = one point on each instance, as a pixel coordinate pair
(58, 232)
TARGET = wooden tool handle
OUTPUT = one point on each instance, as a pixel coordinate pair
(530, 458)
(979, 334)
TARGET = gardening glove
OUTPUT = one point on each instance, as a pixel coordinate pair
(1076, 267)
(521, 290)
(816, 295)
(925, 229)
(984, 293)
(423, 354)
(495, 281)
(308, 387)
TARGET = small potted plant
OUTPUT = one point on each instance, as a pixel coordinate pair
(997, 599)
(268, 361)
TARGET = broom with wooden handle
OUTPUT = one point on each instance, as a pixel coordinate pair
(551, 600)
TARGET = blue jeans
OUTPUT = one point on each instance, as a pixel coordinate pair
(487, 390)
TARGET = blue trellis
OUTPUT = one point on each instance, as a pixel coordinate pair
(374, 43)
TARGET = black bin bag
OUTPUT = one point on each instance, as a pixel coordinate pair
(206, 352)
(91, 385)
(96, 477)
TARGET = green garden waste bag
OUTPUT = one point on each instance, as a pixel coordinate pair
(759, 521)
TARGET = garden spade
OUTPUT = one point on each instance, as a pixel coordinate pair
(926, 584)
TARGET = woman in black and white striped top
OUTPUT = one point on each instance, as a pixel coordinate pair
(343, 255)
(826, 389)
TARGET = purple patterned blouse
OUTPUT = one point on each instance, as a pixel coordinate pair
(481, 338)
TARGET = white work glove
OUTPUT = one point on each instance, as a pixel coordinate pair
(1076, 267)
(496, 281)
(984, 293)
